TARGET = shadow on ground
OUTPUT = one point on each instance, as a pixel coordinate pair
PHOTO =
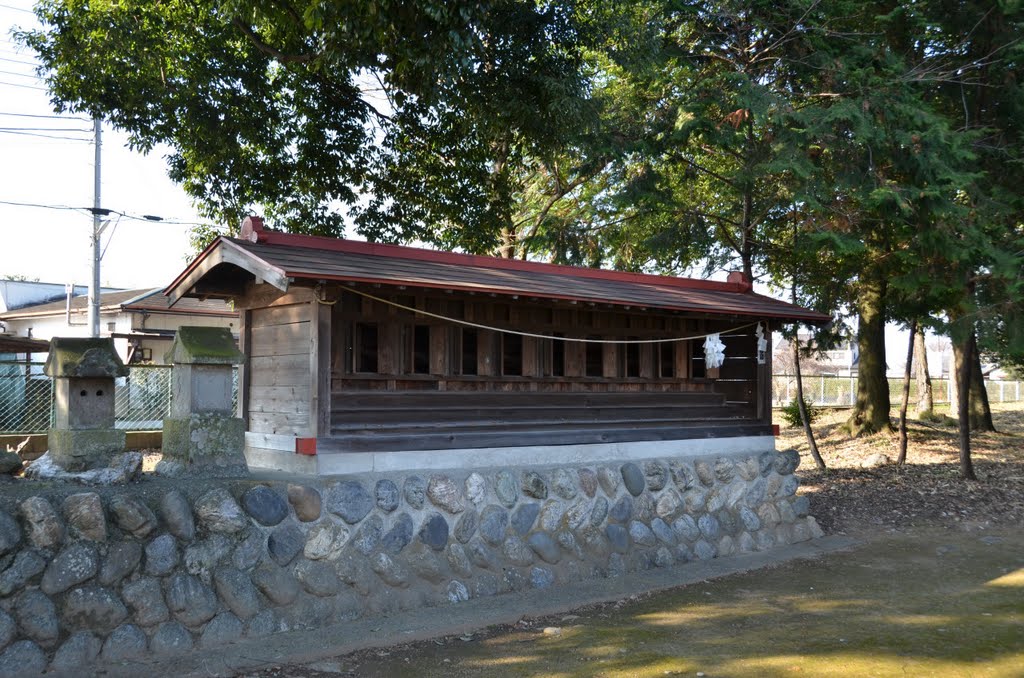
(934, 602)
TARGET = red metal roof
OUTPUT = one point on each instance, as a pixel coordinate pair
(318, 258)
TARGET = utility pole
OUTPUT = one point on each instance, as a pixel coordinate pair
(97, 229)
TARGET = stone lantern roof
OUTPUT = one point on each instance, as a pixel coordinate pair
(204, 346)
(82, 357)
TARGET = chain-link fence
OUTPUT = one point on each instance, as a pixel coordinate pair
(141, 400)
(836, 391)
(26, 398)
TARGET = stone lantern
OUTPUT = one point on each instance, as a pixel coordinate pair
(83, 434)
(202, 430)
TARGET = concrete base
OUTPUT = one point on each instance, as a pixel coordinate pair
(277, 452)
(205, 440)
(85, 449)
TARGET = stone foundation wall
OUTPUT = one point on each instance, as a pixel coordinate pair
(159, 568)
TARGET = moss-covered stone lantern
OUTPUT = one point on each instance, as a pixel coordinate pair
(83, 434)
(202, 429)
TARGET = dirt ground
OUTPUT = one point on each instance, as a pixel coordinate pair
(935, 589)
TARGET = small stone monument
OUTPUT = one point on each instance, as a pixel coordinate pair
(83, 434)
(202, 432)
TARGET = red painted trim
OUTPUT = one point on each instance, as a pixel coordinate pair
(775, 430)
(305, 446)
(456, 259)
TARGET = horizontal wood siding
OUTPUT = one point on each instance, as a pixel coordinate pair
(434, 420)
(279, 374)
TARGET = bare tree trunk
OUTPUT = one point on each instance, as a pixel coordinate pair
(925, 398)
(980, 411)
(815, 454)
(902, 458)
(871, 411)
(962, 357)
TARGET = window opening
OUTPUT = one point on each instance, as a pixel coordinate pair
(558, 356)
(632, 359)
(469, 351)
(366, 347)
(421, 349)
(668, 359)
(512, 355)
(595, 359)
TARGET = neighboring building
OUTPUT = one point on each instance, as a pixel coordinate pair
(140, 321)
(15, 294)
(377, 357)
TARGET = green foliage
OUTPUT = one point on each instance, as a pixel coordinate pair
(294, 110)
(791, 413)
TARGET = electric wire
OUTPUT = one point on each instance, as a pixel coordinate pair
(14, 84)
(46, 136)
(43, 129)
(20, 61)
(153, 219)
(47, 117)
(21, 75)
(17, 9)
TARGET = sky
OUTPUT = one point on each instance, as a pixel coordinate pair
(54, 245)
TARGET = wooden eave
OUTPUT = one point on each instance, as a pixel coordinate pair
(224, 251)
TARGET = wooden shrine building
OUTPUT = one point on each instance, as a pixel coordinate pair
(364, 357)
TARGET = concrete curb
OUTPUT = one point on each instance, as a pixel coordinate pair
(299, 647)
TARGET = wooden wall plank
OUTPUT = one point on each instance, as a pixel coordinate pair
(389, 348)
(487, 349)
(575, 359)
(279, 340)
(288, 370)
(647, 362)
(281, 424)
(283, 315)
(440, 336)
(610, 360)
(531, 357)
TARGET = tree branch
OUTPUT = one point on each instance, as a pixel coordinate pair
(255, 39)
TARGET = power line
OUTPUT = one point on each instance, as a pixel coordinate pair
(14, 84)
(104, 212)
(17, 9)
(47, 117)
(21, 75)
(21, 61)
(44, 136)
(43, 129)
(47, 207)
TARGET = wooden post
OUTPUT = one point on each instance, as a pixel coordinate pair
(764, 380)
(320, 371)
(244, 376)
